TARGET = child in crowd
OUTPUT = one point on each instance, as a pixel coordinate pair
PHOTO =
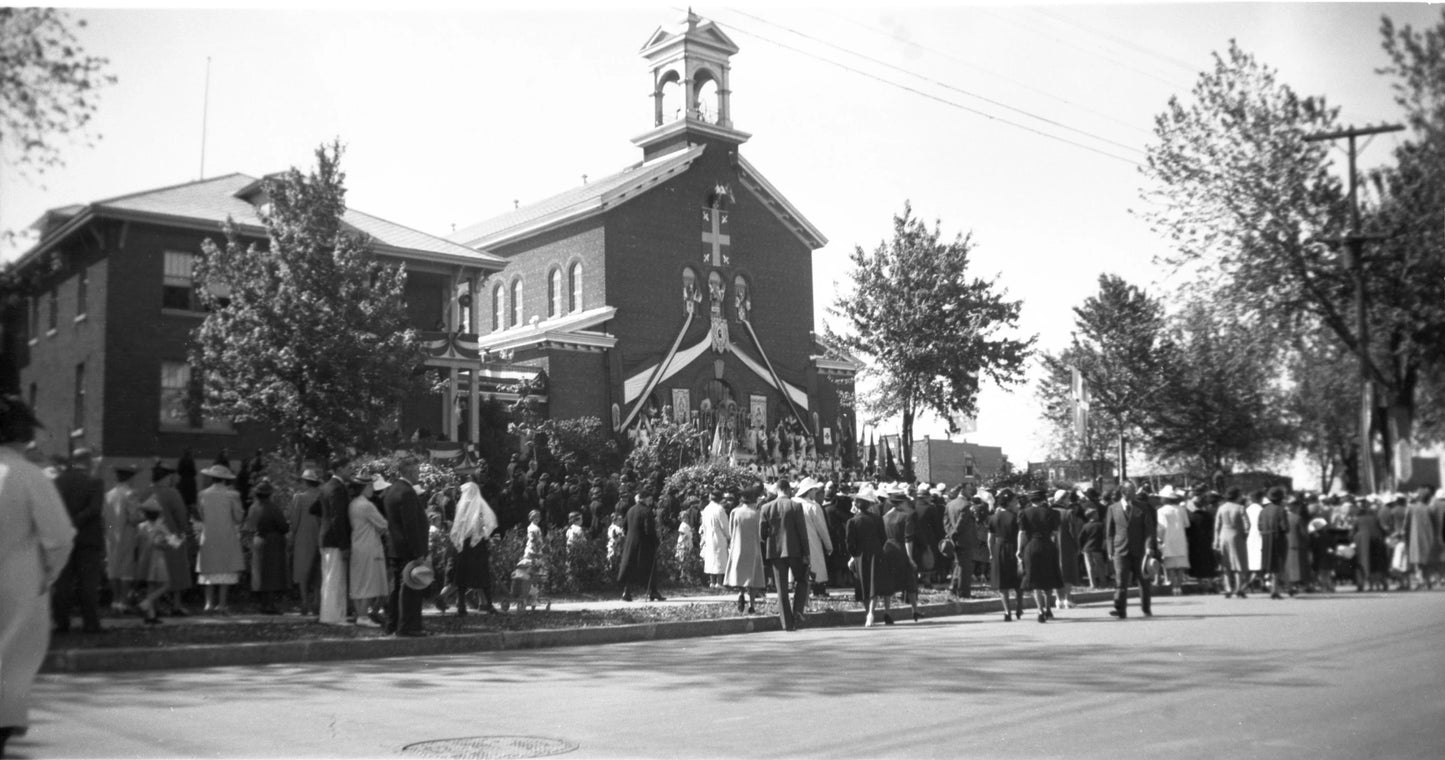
(615, 536)
(154, 539)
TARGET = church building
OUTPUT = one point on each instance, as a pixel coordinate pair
(681, 286)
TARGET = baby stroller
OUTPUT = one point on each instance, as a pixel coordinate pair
(526, 589)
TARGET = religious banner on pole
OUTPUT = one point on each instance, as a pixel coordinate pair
(681, 405)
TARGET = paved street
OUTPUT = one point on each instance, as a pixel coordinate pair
(1348, 676)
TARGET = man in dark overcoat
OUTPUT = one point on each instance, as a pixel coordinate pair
(406, 540)
(1131, 531)
(84, 497)
(928, 532)
(961, 528)
(785, 552)
(639, 549)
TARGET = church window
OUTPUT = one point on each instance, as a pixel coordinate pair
(575, 275)
(499, 307)
(516, 303)
(554, 293)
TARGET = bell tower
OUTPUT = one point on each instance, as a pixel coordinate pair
(691, 94)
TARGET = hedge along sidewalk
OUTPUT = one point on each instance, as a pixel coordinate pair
(326, 650)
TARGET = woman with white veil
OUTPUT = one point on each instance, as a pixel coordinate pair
(473, 526)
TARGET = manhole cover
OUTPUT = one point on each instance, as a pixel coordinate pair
(490, 747)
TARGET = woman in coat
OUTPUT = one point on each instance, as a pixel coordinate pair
(1036, 528)
(1071, 522)
(865, 538)
(898, 564)
(268, 528)
(1173, 541)
(1199, 534)
(471, 530)
(745, 572)
(36, 536)
(1371, 558)
(1255, 541)
(1297, 565)
(1003, 531)
(1231, 536)
(220, 563)
(820, 544)
(1273, 527)
(370, 583)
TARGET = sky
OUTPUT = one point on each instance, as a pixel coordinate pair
(1022, 125)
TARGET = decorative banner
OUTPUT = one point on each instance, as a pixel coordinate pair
(827, 436)
(758, 418)
(681, 405)
(450, 345)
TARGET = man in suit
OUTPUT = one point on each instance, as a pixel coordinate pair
(1131, 535)
(406, 540)
(928, 532)
(84, 497)
(639, 549)
(785, 550)
(331, 507)
(961, 528)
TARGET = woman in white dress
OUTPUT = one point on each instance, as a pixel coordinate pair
(715, 531)
(35, 541)
(1173, 542)
(820, 545)
(369, 583)
(1255, 543)
(220, 562)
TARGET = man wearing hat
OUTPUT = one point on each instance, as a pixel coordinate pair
(122, 521)
(333, 501)
(84, 497)
(177, 520)
(928, 532)
(304, 540)
(406, 542)
(785, 551)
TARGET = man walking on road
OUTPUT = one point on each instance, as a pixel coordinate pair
(785, 550)
(1131, 535)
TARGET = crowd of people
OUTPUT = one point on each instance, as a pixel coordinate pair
(354, 549)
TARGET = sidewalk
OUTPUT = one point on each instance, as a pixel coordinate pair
(76, 660)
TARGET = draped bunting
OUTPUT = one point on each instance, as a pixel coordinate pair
(450, 345)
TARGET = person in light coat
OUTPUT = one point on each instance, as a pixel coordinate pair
(122, 522)
(220, 562)
(716, 535)
(820, 545)
(36, 537)
(745, 571)
(1173, 540)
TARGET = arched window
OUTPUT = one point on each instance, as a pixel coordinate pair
(516, 303)
(707, 104)
(499, 307)
(575, 275)
(554, 293)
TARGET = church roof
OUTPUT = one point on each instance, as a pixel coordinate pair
(614, 190)
(208, 203)
(578, 203)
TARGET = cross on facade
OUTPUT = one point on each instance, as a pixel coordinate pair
(716, 237)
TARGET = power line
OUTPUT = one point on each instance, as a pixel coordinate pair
(945, 85)
(1090, 51)
(991, 72)
(1192, 70)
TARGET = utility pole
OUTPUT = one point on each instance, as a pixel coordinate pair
(1355, 260)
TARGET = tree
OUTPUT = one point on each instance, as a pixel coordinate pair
(306, 335)
(48, 85)
(1324, 407)
(1121, 345)
(930, 329)
(1219, 405)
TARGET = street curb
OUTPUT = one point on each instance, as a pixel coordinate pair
(329, 650)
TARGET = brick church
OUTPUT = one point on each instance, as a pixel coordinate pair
(681, 286)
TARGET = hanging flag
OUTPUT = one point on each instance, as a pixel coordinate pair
(1079, 398)
(890, 469)
(872, 454)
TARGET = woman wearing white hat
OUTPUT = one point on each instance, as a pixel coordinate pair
(220, 563)
(820, 545)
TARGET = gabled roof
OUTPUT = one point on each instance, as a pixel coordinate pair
(609, 192)
(208, 203)
(693, 28)
(578, 203)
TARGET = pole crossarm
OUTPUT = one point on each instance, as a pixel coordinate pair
(1354, 132)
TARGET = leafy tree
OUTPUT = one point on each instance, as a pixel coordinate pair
(582, 442)
(1219, 405)
(306, 335)
(48, 85)
(1122, 347)
(930, 329)
(1324, 406)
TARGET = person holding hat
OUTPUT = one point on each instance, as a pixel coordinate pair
(267, 526)
(406, 542)
(304, 540)
(220, 562)
(122, 517)
(84, 497)
(1131, 533)
(1040, 556)
(35, 542)
(177, 520)
(1003, 547)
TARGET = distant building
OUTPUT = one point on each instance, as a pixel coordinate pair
(1073, 470)
(954, 462)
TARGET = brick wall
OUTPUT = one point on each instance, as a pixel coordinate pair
(532, 261)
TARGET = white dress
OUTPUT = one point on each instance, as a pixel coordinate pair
(1173, 543)
(1255, 542)
(368, 556)
(716, 534)
(35, 541)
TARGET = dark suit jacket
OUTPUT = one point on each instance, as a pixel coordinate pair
(334, 500)
(1131, 532)
(785, 530)
(406, 523)
(929, 517)
(84, 498)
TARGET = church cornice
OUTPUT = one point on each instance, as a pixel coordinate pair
(690, 125)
